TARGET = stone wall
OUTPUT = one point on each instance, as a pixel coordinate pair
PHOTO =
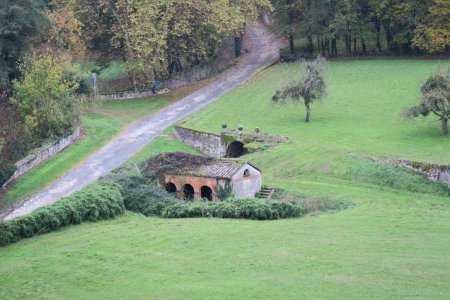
(125, 96)
(217, 145)
(434, 172)
(207, 143)
(34, 160)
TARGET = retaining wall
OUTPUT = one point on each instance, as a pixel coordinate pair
(44, 154)
(434, 172)
(207, 143)
(124, 96)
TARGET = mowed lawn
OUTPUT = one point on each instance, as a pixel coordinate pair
(393, 243)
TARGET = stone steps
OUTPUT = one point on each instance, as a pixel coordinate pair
(265, 193)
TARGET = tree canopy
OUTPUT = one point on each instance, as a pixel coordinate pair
(365, 25)
(311, 87)
(435, 99)
(19, 22)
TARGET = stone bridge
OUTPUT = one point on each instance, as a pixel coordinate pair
(232, 143)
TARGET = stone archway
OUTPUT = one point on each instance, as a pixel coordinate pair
(235, 149)
(206, 192)
(171, 188)
(188, 192)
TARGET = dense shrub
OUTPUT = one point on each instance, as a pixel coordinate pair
(142, 196)
(255, 209)
(93, 203)
(6, 171)
(188, 209)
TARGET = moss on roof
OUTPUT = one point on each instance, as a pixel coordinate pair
(185, 164)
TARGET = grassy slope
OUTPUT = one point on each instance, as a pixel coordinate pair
(392, 244)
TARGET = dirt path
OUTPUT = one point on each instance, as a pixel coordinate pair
(265, 50)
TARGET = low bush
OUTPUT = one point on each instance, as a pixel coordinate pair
(255, 209)
(99, 201)
(142, 195)
(6, 171)
(189, 209)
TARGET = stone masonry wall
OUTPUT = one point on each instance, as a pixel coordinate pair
(434, 172)
(131, 95)
(207, 143)
(34, 160)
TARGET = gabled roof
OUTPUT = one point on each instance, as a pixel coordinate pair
(184, 164)
(215, 169)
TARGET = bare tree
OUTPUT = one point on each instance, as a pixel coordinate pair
(435, 99)
(311, 87)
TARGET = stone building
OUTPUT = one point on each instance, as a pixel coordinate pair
(200, 178)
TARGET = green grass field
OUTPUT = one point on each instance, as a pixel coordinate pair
(394, 243)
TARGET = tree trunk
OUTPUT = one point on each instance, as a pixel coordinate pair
(291, 44)
(389, 38)
(333, 47)
(445, 125)
(308, 111)
(378, 29)
(310, 43)
(237, 46)
(354, 45)
(363, 46)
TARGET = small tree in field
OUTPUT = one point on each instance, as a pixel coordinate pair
(311, 87)
(435, 99)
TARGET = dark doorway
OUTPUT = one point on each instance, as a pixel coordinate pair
(171, 188)
(206, 192)
(188, 192)
(235, 149)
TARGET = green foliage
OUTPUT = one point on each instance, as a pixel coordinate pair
(311, 87)
(396, 178)
(435, 99)
(253, 147)
(6, 171)
(45, 97)
(362, 26)
(254, 209)
(93, 203)
(142, 196)
(19, 22)
(224, 192)
(433, 33)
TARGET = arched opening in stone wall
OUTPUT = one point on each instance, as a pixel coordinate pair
(235, 149)
(188, 192)
(206, 192)
(246, 173)
(171, 188)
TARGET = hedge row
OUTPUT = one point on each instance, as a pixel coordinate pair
(95, 202)
(255, 209)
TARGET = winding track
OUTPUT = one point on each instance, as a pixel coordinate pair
(265, 49)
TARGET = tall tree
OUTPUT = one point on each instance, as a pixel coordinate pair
(310, 88)
(20, 20)
(433, 33)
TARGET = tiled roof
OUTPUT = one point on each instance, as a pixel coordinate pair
(184, 164)
(215, 169)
